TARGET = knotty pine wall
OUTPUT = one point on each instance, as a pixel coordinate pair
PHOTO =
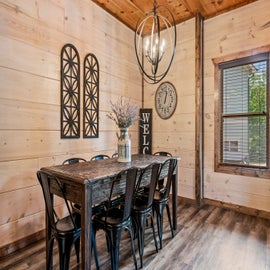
(177, 134)
(32, 34)
(244, 29)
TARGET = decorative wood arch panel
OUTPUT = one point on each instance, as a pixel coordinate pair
(70, 92)
(91, 97)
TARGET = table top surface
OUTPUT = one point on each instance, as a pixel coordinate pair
(90, 171)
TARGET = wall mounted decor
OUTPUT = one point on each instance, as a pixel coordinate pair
(70, 92)
(165, 100)
(91, 97)
(145, 134)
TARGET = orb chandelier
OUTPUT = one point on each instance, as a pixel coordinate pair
(155, 43)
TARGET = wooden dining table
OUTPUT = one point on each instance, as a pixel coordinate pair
(88, 184)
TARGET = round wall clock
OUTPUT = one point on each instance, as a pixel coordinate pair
(165, 100)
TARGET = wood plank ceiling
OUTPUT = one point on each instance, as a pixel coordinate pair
(129, 11)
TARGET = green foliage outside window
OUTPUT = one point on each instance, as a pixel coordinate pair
(257, 124)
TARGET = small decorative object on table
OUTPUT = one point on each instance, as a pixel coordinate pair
(124, 114)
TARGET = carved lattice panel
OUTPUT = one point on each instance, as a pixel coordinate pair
(91, 97)
(70, 92)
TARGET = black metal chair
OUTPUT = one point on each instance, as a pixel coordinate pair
(73, 160)
(115, 219)
(66, 230)
(100, 157)
(166, 154)
(77, 208)
(115, 155)
(161, 198)
(163, 153)
(142, 206)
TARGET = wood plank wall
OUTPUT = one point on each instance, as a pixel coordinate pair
(244, 29)
(177, 134)
(32, 34)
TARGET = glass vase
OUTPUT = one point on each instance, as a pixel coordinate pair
(124, 146)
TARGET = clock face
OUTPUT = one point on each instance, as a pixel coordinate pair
(165, 100)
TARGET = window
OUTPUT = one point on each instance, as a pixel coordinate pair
(230, 146)
(242, 137)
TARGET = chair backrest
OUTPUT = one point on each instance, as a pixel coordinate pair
(148, 176)
(45, 179)
(130, 176)
(73, 160)
(99, 157)
(163, 153)
(171, 165)
(115, 155)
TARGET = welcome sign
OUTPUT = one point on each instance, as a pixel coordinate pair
(145, 124)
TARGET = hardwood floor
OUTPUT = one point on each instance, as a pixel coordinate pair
(207, 239)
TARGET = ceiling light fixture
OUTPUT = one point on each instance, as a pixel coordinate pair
(155, 43)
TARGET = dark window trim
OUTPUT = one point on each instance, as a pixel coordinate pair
(229, 61)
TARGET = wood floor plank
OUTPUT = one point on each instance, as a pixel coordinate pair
(230, 241)
(210, 238)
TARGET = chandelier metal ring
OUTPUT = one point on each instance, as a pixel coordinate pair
(155, 43)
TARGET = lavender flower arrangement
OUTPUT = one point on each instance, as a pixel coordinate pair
(124, 113)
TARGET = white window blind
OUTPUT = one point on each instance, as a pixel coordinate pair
(244, 112)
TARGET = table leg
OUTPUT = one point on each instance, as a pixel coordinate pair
(174, 198)
(49, 239)
(48, 255)
(86, 215)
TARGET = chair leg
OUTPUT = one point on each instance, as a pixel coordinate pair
(64, 246)
(132, 247)
(141, 227)
(141, 223)
(154, 233)
(49, 257)
(159, 211)
(94, 247)
(77, 249)
(108, 243)
(108, 235)
(169, 217)
(114, 239)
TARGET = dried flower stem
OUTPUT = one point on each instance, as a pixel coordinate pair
(124, 113)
